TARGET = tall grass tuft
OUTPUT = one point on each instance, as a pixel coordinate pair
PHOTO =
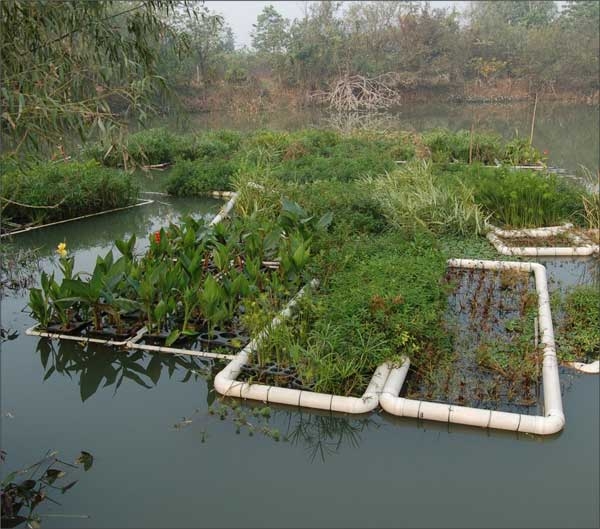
(414, 198)
(591, 199)
(524, 199)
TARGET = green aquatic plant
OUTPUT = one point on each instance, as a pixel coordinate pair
(520, 198)
(578, 334)
(22, 498)
(519, 151)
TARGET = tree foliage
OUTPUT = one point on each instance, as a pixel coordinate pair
(71, 65)
(426, 45)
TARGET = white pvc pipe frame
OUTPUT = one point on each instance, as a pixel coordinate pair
(226, 384)
(386, 383)
(581, 247)
(551, 422)
(133, 343)
(216, 194)
(31, 228)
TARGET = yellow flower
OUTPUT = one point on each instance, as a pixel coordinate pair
(61, 249)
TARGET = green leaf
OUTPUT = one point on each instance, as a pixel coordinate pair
(325, 221)
(52, 474)
(86, 459)
(294, 208)
(21, 105)
(173, 335)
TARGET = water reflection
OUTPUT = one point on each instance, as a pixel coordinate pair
(98, 233)
(564, 273)
(440, 430)
(97, 367)
(320, 433)
(21, 498)
(324, 435)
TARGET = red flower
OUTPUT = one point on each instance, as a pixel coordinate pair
(157, 237)
(546, 152)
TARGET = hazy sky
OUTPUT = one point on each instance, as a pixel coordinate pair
(241, 15)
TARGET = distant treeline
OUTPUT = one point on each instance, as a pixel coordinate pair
(417, 45)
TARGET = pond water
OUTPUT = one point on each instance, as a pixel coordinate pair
(569, 132)
(162, 459)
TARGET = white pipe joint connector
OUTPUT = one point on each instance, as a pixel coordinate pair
(225, 210)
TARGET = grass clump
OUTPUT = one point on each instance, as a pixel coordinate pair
(415, 198)
(195, 177)
(521, 198)
(489, 148)
(578, 336)
(384, 297)
(75, 188)
(161, 146)
(446, 146)
(355, 211)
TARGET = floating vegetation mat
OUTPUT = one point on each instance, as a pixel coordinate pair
(495, 362)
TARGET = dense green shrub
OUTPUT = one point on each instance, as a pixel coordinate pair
(77, 187)
(488, 148)
(158, 146)
(189, 178)
(446, 146)
(519, 151)
(523, 199)
(153, 146)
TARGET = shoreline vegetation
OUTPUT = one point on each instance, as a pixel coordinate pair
(346, 56)
(372, 55)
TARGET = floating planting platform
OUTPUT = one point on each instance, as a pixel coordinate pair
(571, 244)
(227, 384)
(553, 419)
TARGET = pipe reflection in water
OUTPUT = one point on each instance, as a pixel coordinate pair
(99, 233)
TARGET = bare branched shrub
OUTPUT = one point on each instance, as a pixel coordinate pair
(356, 92)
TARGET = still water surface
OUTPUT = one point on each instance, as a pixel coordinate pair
(162, 460)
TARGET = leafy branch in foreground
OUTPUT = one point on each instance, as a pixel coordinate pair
(73, 65)
(18, 494)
